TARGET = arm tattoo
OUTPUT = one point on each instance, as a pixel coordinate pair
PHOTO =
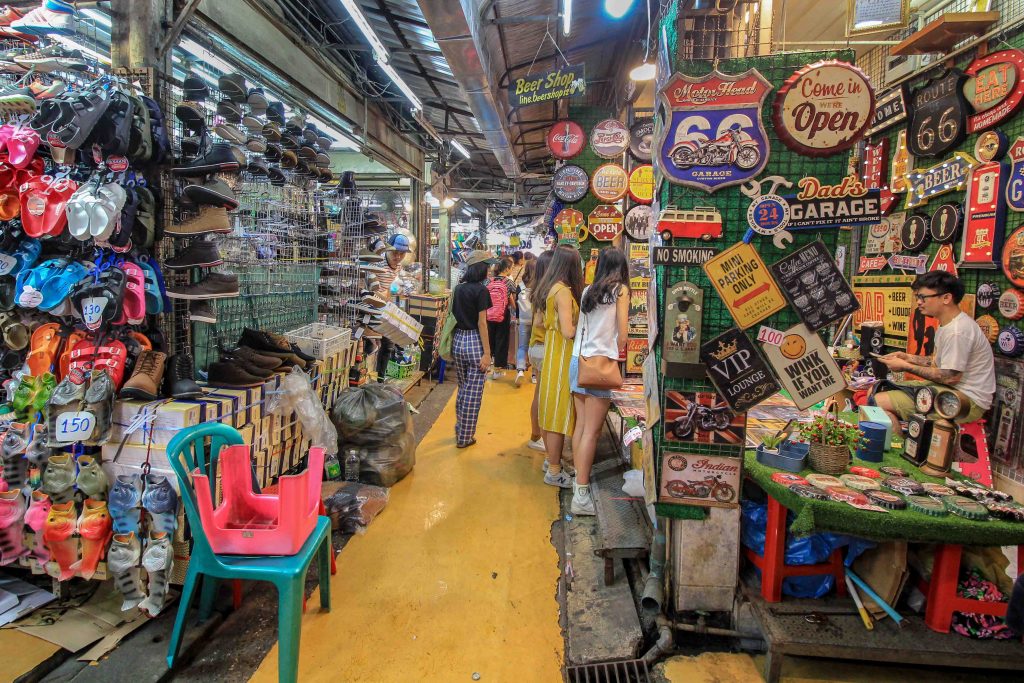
(921, 361)
(940, 375)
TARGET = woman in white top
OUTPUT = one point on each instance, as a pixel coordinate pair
(604, 312)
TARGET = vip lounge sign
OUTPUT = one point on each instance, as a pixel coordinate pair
(565, 81)
(994, 88)
(605, 222)
(713, 136)
(824, 108)
(946, 176)
(984, 216)
(938, 121)
(815, 286)
(737, 370)
(804, 367)
(742, 281)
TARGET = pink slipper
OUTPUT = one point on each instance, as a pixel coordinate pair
(6, 131)
(22, 146)
(133, 306)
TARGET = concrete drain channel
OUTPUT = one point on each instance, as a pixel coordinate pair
(626, 671)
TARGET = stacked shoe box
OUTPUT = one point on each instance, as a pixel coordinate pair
(430, 311)
(398, 326)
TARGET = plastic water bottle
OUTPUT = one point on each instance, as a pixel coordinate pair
(351, 464)
(332, 467)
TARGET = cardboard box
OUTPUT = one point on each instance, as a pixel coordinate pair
(167, 419)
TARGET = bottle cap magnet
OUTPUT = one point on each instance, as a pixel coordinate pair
(903, 485)
(937, 490)
(928, 506)
(865, 472)
(788, 478)
(859, 483)
(989, 327)
(889, 501)
(823, 481)
(965, 507)
(1011, 341)
(1011, 304)
(847, 495)
(808, 492)
(893, 471)
(987, 295)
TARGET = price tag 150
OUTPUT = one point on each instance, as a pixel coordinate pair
(769, 335)
(72, 427)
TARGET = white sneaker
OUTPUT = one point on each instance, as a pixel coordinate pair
(533, 379)
(537, 445)
(561, 480)
(519, 377)
(566, 467)
(44, 22)
(582, 500)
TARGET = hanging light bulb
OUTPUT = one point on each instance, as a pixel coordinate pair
(644, 72)
(617, 9)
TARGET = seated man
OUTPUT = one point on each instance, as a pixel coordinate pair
(963, 355)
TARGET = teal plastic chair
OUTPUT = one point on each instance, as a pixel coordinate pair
(186, 452)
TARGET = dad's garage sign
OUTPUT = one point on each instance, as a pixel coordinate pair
(804, 366)
(824, 108)
(713, 136)
(994, 88)
(846, 203)
(605, 222)
(565, 81)
(742, 281)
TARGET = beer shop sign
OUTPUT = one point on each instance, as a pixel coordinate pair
(824, 108)
(565, 81)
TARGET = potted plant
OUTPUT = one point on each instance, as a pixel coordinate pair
(770, 443)
(831, 441)
(773, 453)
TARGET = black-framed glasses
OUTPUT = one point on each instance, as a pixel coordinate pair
(922, 297)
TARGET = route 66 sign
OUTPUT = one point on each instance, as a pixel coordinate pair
(713, 136)
(1015, 187)
(938, 117)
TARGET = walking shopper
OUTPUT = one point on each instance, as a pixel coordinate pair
(560, 292)
(536, 352)
(525, 321)
(604, 313)
(471, 347)
(499, 315)
(517, 271)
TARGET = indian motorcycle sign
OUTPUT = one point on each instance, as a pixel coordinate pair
(824, 108)
(713, 136)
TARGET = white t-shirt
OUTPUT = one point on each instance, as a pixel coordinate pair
(960, 345)
(597, 333)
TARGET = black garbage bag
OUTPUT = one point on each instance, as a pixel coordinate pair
(376, 419)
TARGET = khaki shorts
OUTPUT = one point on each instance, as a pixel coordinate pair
(903, 404)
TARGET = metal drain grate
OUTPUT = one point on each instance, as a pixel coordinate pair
(627, 671)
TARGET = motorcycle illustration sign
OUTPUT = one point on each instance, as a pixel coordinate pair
(713, 136)
(703, 480)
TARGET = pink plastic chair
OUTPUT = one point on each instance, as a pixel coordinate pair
(250, 523)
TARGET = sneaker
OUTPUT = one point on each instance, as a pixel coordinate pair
(45, 22)
(582, 500)
(201, 312)
(561, 480)
(144, 383)
(219, 158)
(195, 89)
(537, 445)
(213, 286)
(257, 145)
(567, 467)
(198, 254)
(230, 111)
(233, 87)
(192, 116)
(212, 192)
(231, 374)
(231, 133)
(257, 99)
(178, 382)
(210, 219)
(519, 377)
(53, 58)
(533, 379)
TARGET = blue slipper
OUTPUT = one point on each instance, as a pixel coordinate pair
(58, 287)
(29, 285)
(23, 256)
(154, 301)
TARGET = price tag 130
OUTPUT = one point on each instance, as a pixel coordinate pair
(632, 435)
(769, 335)
(72, 427)
(7, 263)
(92, 311)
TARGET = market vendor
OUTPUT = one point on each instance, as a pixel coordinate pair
(963, 355)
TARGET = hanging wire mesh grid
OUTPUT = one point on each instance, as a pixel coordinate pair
(343, 278)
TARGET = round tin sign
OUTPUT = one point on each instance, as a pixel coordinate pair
(945, 222)
(570, 183)
(991, 145)
(1013, 257)
(1011, 341)
(1011, 304)
(640, 222)
(605, 222)
(609, 139)
(609, 182)
(568, 222)
(914, 233)
(117, 163)
(641, 184)
(989, 327)
(987, 295)
(565, 139)
(824, 108)
(641, 139)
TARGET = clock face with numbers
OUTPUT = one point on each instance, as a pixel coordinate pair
(924, 399)
(914, 429)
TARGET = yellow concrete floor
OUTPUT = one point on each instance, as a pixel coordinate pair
(20, 653)
(457, 575)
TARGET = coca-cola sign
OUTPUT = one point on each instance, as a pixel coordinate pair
(609, 139)
(565, 139)
(570, 183)
(824, 108)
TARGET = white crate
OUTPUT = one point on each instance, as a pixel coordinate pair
(319, 340)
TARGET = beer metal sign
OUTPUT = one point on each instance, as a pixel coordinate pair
(824, 108)
(565, 139)
(609, 182)
(994, 88)
(564, 81)
(875, 171)
(945, 176)
(641, 184)
(713, 136)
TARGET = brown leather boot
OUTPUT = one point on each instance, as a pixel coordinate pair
(145, 380)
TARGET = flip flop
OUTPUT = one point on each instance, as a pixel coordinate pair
(22, 146)
(57, 288)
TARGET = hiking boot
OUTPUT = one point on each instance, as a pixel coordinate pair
(256, 358)
(245, 365)
(213, 286)
(230, 374)
(178, 382)
(195, 88)
(144, 383)
(209, 219)
(212, 192)
(220, 157)
(201, 312)
(198, 254)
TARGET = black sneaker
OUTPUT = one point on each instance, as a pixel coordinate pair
(201, 312)
(231, 374)
(257, 99)
(230, 111)
(190, 145)
(213, 286)
(275, 112)
(192, 116)
(212, 192)
(220, 157)
(178, 374)
(198, 254)
(195, 88)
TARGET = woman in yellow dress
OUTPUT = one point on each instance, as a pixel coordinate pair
(557, 297)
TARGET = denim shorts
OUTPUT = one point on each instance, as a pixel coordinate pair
(574, 373)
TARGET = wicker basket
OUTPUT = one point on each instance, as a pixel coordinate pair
(828, 459)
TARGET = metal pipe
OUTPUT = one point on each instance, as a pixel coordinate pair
(665, 643)
(702, 628)
(653, 596)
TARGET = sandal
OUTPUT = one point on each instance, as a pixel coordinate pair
(56, 289)
(113, 130)
(29, 283)
(161, 150)
(133, 306)
(140, 142)
(13, 331)
(22, 146)
(79, 116)
(26, 254)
